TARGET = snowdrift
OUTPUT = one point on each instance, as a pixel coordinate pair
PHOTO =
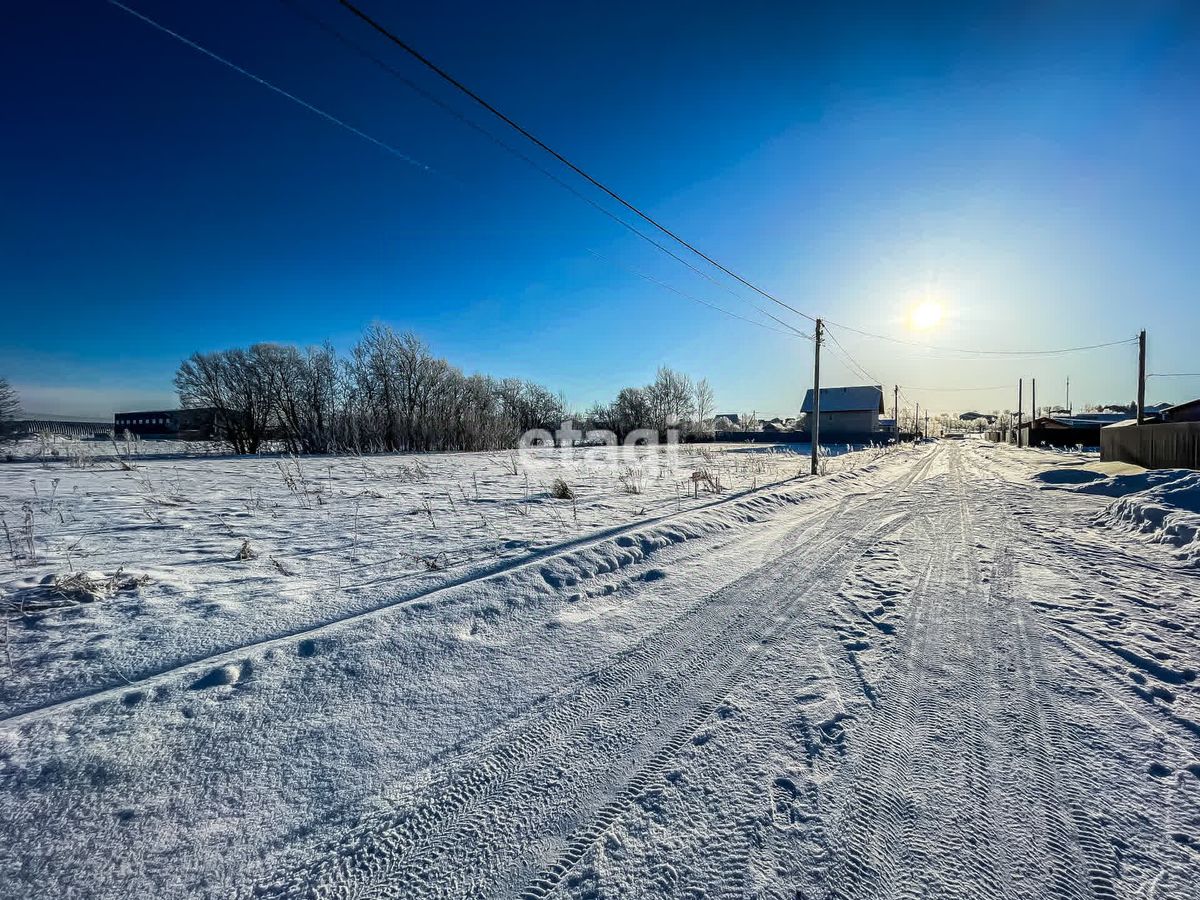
(1167, 511)
(1161, 504)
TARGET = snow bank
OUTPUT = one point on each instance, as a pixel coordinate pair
(1161, 504)
(1124, 485)
(1166, 510)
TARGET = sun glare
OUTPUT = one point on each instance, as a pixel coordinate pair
(925, 316)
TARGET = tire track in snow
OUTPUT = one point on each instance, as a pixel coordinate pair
(407, 854)
(1026, 778)
(753, 661)
(1094, 734)
(554, 722)
(927, 785)
(757, 800)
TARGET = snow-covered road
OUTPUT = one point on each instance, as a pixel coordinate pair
(928, 677)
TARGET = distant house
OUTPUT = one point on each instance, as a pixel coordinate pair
(1182, 412)
(1069, 431)
(731, 418)
(1086, 419)
(200, 424)
(974, 416)
(847, 410)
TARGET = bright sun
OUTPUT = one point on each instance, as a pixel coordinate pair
(925, 315)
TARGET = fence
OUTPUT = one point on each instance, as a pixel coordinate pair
(803, 437)
(61, 427)
(1171, 445)
(1061, 437)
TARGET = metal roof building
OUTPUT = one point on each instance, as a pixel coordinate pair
(848, 410)
(847, 399)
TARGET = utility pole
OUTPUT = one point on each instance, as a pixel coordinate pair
(896, 411)
(815, 430)
(917, 418)
(926, 423)
(1068, 395)
(1020, 406)
(1141, 416)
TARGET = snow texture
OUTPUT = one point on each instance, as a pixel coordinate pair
(1163, 505)
(917, 675)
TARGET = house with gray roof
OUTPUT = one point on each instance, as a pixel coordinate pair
(847, 410)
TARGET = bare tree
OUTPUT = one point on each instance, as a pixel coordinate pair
(308, 398)
(10, 408)
(242, 386)
(630, 411)
(702, 396)
(670, 396)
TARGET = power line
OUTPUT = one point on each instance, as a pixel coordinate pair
(980, 352)
(512, 123)
(565, 161)
(516, 126)
(854, 364)
(300, 10)
(536, 166)
(446, 76)
(290, 96)
(790, 332)
(999, 387)
(403, 156)
(1174, 375)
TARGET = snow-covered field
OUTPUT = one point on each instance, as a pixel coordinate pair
(950, 670)
(235, 550)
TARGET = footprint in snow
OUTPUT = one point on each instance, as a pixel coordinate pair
(223, 676)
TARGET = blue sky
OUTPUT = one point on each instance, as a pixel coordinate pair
(1032, 167)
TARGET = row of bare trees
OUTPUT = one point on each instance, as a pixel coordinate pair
(672, 400)
(391, 393)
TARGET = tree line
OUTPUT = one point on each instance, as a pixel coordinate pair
(392, 393)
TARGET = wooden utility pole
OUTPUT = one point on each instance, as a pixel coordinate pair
(1141, 401)
(1033, 413)
(1068, 395)
(1020, 406)
(896, 411)
(926, 423)
(815, 430)
(917, 418)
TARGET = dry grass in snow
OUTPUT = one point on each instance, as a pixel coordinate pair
(184, 557)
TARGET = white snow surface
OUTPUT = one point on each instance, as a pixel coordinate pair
(918, 674)
(1167, 512)
(1162, 505)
